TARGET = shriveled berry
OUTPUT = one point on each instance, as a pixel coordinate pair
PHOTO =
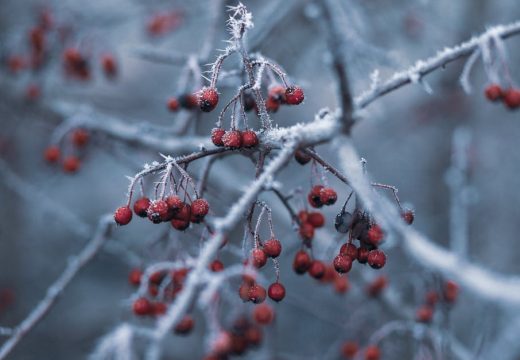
(301, 157)
(263, 314)
(362, 255)
(173, 104)
(276, 291)
(232, 139)
(80, 137)
(216, 136)
(185, 326)
(123, 215)
(272, 248)
(328, 196)
(199, 208)
(208, 99)
(294, 95)
(71, 164)
(257, 293)
(158, 211)
(342, 264)
(258, 258)
(302, 262)
(216, 266)
(376, 259)
(350, 250)
(142, 307)
(134, 278)
(316, 219)
(317, 269)
(314, 197)
(424, 314)
(141, 207)
(249, 139)
(512, 98)
(494, 92)
(52, 154)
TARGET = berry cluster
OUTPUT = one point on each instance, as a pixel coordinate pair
(510, 97)
(279, 95)
(79, 138)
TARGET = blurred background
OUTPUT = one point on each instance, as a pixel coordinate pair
(406, 138)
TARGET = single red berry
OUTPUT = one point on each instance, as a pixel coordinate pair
(316, 219)
(199, 208)
(249, 139)
(276, 94)
(272, 105)
(173, 104)
(349, 250)
(134, 278)
(362, 255)
(185, 326)
(328, 196)
(342, 264)
(80, 137)
(494, 92)
(188, 101)
(180, 225)
(184, 213)
(294, 95)
(408, 216)
(512, 98)
(374, 235)
(71, 164)
(256, 293)
(175, 203)
(306, 231)
(272, 248)
(349, 349)
(276, 291)
(142, 307)
(158, 211)
(232, 139)
(341, 284)
(302, 262)
(303, 216)
(157, 277)
(451, 291)
(314, 197)
(108, 62)
(372, 353)
(317, 269)
(243, 291)
(376, 259)
(52, 154)
(216, 136)
(424, 314)
(208, 99)
(178, 276)
(253, 336)
(141, 207)
(263, 314)
(301, 157)
(216, 266)
(377, 285)
(123, 215)
(258, 258)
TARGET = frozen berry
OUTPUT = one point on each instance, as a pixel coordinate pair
(314, 197)
(377, 285)
(272, 105)
(180, 225)
(349, 349)
(175, 203)
(232, 139)
(349, 250)
(258, 258)
(123, 215)
(294, 95)
(374, 235)
(256, 293)
(249, 139)
(158, 211)
(376, 259)
(199, 208)
(272, 248)
(408, 216)
(208, 99)
(302, 262)
(372, 353)
(108, 62)
(342, 264)
(328, 196)
(216, 136)
(277, 94)
(141, 207)
(316, 219)
(341, 284)
(276, 291)
(52, 154)
(362, 255)
(306, 231)
(451, 291)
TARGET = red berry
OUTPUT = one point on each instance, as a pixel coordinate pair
(328, 196)
(272, 105)
(374, 235)
(71, 164)
(232, 139)
(317, 269)
(134, 278)
(188, 101)
(52, 154)
(173, 104)
(263, 314)
(341, 284)
(276, 95)
(349, 250)
(216, 266)
(185, 326)
(424, 314)
(294, 95)
(80, 137)
(408, 216)
(301, 157)
(243, 291)
(276, 291)
(253, 336)
(123, 215)
(306, 231)
(303, 216)
(249, 139)
(342, 264)
(362, 255)
(376, 259)
(141, 207)
(372, 353)
(199, 208)
(349, 349)
(316, 219)
(180, 225)
(377, 285)
(208, 99)
(158, 211)
(494, 92)
(302, 262)
(175, 204)
(184, 213)
(178, 276)
(258, 258)
(108, 62)
(451, 291)
(272, 248)
(256, 293)
(142, 307)
(216, 136)
(512, 98)
(314, 196)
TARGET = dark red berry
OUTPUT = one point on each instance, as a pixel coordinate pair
(232, 139)
(263, 314)
(494, 92)
(123, 215)
(216, 266)
(306, 231)
(272, 248)
(159, 308)
(180, 225)
(216, 136)
(208, 99)
(424, 314)
(349, 349)
(256, 293)
(316, 219)
(134, 278)
(188, 101)
(450, 291)
(249, 139)
(342, 264)
(141, 207)
(173, 104)
(328, 196)
(349, 250)
(272, 105)
(185, 326)
(52, 154)
(302, 262)
(142, 307)
(512, 98)
(184, 213)
(362, 255)
(276, 94)
(314, 196)
(317, 269)
(175, 203)
(158, 211)
(301, 157)
(375, 235)
(276, 291)
(80, 137)
(376, 259)
(108, 62)
(294, 95)
(199, 208)
(258, 258)
(372, 353)
(71, 164)
(243, 291)
(431, 297)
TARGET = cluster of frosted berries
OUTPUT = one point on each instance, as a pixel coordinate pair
(448, 295)
(350, 350)
(510, 97)
(278, 95)
(79, 138)
(170, 209)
